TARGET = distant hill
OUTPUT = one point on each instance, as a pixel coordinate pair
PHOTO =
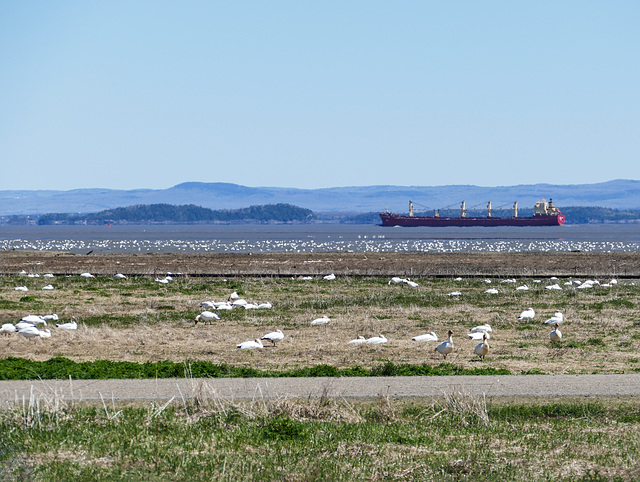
(617, 194)
(168, 213)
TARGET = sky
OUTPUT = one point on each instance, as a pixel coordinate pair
(311, 94)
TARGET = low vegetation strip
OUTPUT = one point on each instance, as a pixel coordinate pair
(60, 368)
(456, 437)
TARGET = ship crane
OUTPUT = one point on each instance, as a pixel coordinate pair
(543, 207)
(545, 214)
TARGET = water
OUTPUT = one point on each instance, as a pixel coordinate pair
(318, 238)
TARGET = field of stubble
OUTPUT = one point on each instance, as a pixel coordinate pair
(140, 319)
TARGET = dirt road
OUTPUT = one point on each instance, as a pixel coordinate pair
(356, 387)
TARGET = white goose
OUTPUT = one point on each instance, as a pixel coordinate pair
(8, 328)
(250, 345)
(478, 336)
(207, 317)
(29, 332)
(557, 317)
(23, 324)
(527, 314)
(377, 340)
(446, 347)
(71, 325)
(321, 321)
(426, 337)
(555, 335)
(481, 328)
(482, 349)
(357, 341)
(274, 336)
(34, 319)
(45, 333)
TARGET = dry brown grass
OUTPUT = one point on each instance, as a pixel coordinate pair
(164, 328)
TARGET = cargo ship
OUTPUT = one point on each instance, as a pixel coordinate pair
(544, 214)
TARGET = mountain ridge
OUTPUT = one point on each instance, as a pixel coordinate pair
(617, 194)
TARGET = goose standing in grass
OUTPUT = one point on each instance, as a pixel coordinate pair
(321, 321)
(329, 277)
(482, 349)
(119, 276)
(274, 336)
(377, 340)
(45, 334)
(557, 317)
(555, 335)
(446, 347)
(71, 325)
(8, 328)
(357, 341)
(250, 345)
(207, 317)
(527, 314)
(426, 337)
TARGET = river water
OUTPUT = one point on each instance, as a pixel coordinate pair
(318, 238)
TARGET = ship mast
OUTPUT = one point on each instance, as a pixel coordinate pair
(410, 208)
(463, 211)
(489, 209)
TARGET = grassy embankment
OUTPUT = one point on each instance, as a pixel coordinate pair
(456, 438)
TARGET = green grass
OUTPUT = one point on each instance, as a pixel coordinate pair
(456, 438)
(62, 368)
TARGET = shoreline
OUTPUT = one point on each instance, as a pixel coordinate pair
(416, 264)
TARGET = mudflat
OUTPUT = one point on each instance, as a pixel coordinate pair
(533, 264)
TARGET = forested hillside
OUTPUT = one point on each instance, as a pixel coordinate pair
(190, 213)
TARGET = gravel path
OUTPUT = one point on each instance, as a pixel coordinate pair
(352, 387)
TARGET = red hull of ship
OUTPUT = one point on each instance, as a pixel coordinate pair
(389, 219)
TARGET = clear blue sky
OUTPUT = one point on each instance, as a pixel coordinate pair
(309, 94)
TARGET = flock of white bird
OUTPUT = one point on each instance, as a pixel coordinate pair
(375, 245)
(481, 333)
(28, 326)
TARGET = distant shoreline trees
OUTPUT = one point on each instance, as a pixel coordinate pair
(184, 214)
(275, 214)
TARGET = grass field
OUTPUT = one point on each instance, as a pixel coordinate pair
(140, 320)
(457, 437)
